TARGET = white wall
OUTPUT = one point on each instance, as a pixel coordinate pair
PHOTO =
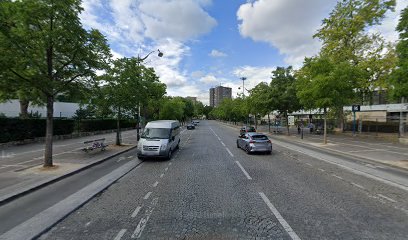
(61, 109)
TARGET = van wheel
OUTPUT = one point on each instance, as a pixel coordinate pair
(169, 155)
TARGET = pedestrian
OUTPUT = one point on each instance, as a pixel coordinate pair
(298, 128)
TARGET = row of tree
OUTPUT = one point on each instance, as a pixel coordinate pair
(350, 66)
(46, 55)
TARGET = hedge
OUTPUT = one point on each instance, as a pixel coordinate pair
(15, 129)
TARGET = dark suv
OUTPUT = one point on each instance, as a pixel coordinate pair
(246, 129)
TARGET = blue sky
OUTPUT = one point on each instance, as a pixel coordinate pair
(208, 43)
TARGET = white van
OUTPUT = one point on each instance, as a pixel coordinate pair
(159, 139)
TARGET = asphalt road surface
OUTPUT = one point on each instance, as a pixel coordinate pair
(210, 189)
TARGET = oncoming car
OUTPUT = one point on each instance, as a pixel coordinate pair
(254, 142)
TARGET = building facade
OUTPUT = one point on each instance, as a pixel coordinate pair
(218, 94)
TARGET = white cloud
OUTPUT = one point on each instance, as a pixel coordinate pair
(287, 25)
(208, 79)
(216, 53)
(253, 75)
(167, 67)
(390, 22)
(178, 19)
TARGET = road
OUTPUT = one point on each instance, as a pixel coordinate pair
(210, 189)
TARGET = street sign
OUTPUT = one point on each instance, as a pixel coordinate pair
(356, 108)
(291, 120)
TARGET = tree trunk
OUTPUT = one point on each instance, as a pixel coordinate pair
(269, 123)
(401, 122)
(24, 108)
(49, 132)
(118, 128)
(325, 127)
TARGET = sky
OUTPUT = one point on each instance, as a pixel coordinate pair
(208, 43)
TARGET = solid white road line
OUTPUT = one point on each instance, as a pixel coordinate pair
(334, 175)
(388, 198)
(120, 234)
(278, 216)
(142, 224)
(155, 184)
(147, 195)
(357, 185)
(223, 144)
(136, 211)
(243, 170)
(230, 153)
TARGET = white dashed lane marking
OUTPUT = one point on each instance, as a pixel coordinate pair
(162, 175)
(120, 234)
(243, 170)
(334, 175)
(166, 169)
(155, 184)
(136, 211)
(147, 195)
(230, 153)
(278, 216)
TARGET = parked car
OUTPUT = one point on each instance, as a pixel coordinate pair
(190, 126)
(254, 142)
(246, 129)
(159, 139)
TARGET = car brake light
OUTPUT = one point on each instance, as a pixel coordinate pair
(269, 141)
(252, 141)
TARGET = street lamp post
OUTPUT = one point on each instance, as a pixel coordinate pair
(139, 60)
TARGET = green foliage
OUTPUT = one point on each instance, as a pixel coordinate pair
(322, 84)
(346, 42)
(283, 91)
(173, 109)
(399, 80)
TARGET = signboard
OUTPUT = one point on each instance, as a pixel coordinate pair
(291, 120)
(355, 108)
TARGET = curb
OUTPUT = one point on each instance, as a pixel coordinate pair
(10, 197)
(357, 158)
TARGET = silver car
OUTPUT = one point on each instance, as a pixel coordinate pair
(254, 142)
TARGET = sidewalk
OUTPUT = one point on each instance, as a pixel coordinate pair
(369, 149)
(16, 178)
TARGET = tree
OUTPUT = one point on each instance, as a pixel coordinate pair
(125, 86)
(260, 100)
(283, 92)
(399, 78)
(173, 109)
(323, 84)
(46, 48)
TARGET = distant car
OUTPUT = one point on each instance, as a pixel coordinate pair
(246, 129)
(190, 126)
(254, 142)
